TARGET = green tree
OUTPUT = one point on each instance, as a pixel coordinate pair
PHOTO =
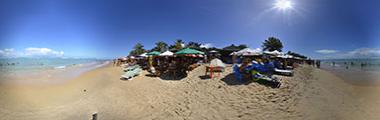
(272, 44)
(233, 47)
(160, 46)
(296, 55)
(137, 50)
(194, 45)
(177, 45)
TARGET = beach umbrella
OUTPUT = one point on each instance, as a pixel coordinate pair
(154, 53)
(167, 53)
(189, 51)
(213, 51)
(275, 53)
(233, 53)
(217, 63)
(143, 55)
(286, 56)
(248, 52)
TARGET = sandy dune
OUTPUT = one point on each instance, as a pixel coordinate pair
(310, 94)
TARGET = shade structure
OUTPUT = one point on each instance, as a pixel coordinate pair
(275, 53)
(217, 63)
(285, 56)
(233, 53)
(143, 55)
(167, 53)
(213, 51)
(189, 51)
(154, 53)
(248, 52)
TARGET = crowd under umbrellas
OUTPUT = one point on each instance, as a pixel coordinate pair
(168, 64)
(248, 64)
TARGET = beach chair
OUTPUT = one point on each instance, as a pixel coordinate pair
(273, 82)
(283, 72)
(132, 73)
(130, 68)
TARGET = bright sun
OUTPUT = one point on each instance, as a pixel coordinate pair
(283, 4)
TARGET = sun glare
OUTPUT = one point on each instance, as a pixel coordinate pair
(283, 4)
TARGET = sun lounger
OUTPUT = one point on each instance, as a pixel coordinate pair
(130, 68)
(130, 74)
(264, 79)
(283, 72)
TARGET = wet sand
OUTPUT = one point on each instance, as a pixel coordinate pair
(311, 94)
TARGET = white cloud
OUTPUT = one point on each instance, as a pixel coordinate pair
(207, 45)
(42, 52)
(364, 53)
(357, 53)
(326, 51)
(7, 52)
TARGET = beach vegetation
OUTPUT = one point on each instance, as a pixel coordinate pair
(160, 46)
(194, 45)
(137, 50)
(272, 44)
(178, 45)
(296, 55)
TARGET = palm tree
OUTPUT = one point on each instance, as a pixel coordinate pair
(194, 45)
(272, 44)
(160, 46)
(178, 45)
(137, 50)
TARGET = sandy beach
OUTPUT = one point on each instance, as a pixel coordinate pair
(311, 94)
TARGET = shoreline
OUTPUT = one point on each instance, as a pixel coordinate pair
(357, 77)
(50, 76)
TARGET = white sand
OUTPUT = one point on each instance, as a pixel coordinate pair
(310, 94)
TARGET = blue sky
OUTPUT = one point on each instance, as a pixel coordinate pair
(110, 28)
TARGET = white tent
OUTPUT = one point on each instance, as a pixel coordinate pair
(167, 53)
(249, 52)
(285, 56)
(143, 55)
(217, 63)
(275, 52)
(213, 51)
(233, 53)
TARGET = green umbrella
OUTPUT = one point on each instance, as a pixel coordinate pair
(189, 51)
(154, 53)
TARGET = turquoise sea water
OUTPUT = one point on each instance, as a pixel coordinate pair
(37, 64)
(352, 64)
(364, 72)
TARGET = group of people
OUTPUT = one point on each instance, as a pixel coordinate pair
(159, 65)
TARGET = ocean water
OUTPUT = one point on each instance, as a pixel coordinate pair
(40, 64)
(352, 64)
(365, 72)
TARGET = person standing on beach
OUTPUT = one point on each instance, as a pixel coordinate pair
(318, 63)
